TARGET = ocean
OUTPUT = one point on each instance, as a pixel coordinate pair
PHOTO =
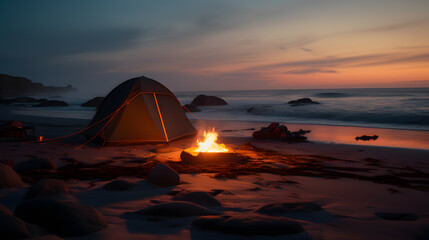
(397, 108)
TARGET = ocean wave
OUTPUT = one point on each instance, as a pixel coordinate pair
(364, 116)
(332, 95)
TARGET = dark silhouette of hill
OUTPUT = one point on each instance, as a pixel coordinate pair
(11, 86)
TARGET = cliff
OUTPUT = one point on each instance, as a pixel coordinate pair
(11, 86)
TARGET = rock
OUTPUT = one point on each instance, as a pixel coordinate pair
(163, 175)
(249, 224)
(9, 178)
(191, 108)
(13, 228)
(366, 138)
(52, 103)
(397, 216)
(5, 211)
(250, 109)
(95, 102)
(199, 197)
(46, 188)
(11, 86)
(118, 185)
(47, 237)
(204, 100)
(176, 209)
(63, 218)
(35, 164)
(281, 208)
(302, 101)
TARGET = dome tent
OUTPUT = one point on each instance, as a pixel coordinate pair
(139, 110)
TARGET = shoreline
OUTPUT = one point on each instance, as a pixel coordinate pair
(393, 138)
(323, 133)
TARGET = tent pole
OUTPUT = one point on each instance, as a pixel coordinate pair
(160, 116)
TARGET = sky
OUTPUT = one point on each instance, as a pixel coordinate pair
(193, 45)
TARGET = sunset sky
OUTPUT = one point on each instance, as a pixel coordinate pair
(217, 45)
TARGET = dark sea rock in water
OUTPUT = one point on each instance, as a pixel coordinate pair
(199, 197)
(250, 109)
(204, 100)
(22, 100)
(249, 224)
(95, 102)
(52, 103)
(281, 208)
(35, 164)
(118, 185)
(176, 209)
(9, 178)
(63, 218)
(47, 187)
(11, 86)
(366, 138)
(191, 108)
(163, 175)
(302, 101)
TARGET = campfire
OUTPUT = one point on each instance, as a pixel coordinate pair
(209, 151)
(209, 144)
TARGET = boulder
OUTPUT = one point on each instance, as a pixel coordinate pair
(176, 209)
(204, 100)
(13, 228)
(47, 188)
(191, 108)
(5, 211)
(163, 175)
(199, 197)
(281, 208)
(63, 218)
(95, 102)
(35, 164)
(47, 237)
(118, 185)
(302, 101)
(52, 103)
(9, 178)
(249, 224)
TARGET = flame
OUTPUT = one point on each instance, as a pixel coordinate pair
(209, 144)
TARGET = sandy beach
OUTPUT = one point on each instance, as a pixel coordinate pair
(339, 191)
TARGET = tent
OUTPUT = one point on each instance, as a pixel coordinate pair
(139, 110)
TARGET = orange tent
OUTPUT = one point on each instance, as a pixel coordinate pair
(140, 110)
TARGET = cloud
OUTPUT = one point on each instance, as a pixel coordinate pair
(306, 49)
(337, 62)
(395, 26)
(310, 71)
